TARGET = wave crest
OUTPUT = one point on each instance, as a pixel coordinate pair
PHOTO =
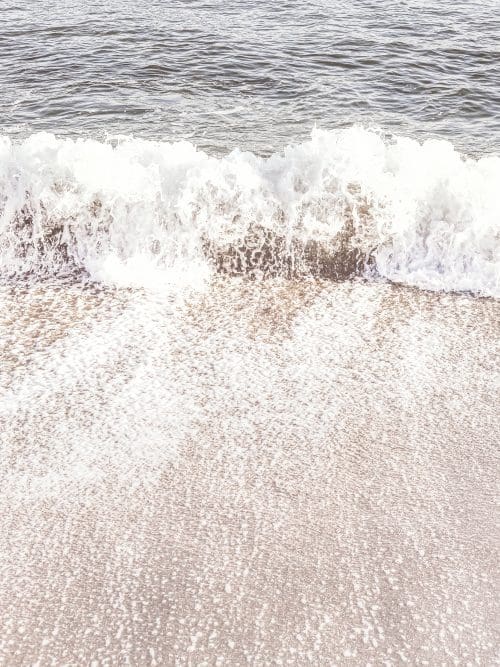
(344, 203)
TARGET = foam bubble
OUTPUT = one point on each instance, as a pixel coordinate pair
(147, 213)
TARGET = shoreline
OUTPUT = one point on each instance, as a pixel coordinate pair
(292, 472)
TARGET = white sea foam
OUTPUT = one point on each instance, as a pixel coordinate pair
(144, 213)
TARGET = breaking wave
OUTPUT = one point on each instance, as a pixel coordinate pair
(344, 203)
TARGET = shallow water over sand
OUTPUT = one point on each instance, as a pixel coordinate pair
(270, 472)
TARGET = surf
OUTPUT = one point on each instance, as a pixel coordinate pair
(350, 202)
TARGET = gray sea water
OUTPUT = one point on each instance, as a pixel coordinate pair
(249, 325)
(252, 74)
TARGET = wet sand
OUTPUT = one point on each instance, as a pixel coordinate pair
(268, 473)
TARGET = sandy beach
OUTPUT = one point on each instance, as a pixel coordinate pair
(270, 472)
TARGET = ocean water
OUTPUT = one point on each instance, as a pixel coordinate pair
(249, 324)
(252, 75)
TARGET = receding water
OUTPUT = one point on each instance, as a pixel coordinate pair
(249, 324)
